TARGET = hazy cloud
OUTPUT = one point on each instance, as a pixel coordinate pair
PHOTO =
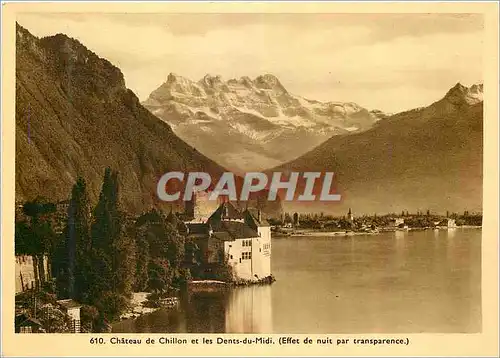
(388, 61)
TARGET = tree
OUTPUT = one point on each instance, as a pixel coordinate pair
(89, 318)
(150, 245)
(22, 232)
(73, 256)
(162, 251)
(193, 256)
(104, 230)
(46, 236)
(23, 237)
(159, 275)
(54, 320)
(79, 244)
(142, 259)
(113, 246)
(124, 260)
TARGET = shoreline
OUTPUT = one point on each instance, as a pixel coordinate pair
(139, 299)
(309, 233)
(209, 285)
(137, 307)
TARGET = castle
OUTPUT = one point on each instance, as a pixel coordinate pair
(242, 239)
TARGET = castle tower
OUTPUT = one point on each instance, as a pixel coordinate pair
(200, 207)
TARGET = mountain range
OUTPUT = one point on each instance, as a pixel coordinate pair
(427, 158)
(75, 117)
(247, 124)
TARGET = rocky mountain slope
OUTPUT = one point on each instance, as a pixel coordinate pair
(75, 116)
(248, 124)
(426, 158)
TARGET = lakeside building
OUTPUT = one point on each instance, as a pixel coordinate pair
(397, 223)
(350, 216)
(447, 223)
(242, 239)
(25, 324)
(451, 223)
(72, 309)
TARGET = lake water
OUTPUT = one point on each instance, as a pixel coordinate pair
(398, 282)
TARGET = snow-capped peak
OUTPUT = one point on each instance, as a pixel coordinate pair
(459, 94)
(256, 118)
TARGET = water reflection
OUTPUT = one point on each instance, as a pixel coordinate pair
(205, 311)
(416, 281)
(249, 310)
(400, 248)
(400, 234)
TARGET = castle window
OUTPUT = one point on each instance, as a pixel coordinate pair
(246, 243)
(246, 255)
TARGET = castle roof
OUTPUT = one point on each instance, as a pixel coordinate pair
(225, 211)
(231, 230)
(25, 320)
(252, 218)
(226, 223)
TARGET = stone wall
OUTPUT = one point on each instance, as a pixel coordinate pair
(25, 276)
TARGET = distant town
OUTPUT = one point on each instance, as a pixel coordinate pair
(295, 224)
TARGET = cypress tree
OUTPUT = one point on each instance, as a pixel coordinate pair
(113, 245)
(79, 224)
(142, 259)
(124, 260)
(73, 255)
(103, 231)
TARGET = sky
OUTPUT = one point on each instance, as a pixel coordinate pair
(390, 62)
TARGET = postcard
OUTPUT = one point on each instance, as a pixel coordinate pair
(250, 179)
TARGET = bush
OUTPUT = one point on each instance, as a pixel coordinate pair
(53, 319)
(224, 273)
(89, 318)
(181, 277)
(27, 299)
(49, 286)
